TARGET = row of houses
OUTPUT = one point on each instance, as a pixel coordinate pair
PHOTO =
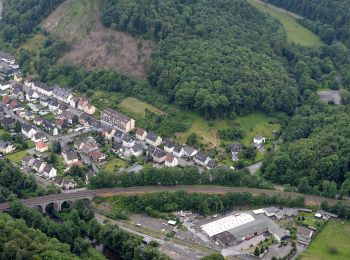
(90, 148)
(39, 166)
(8, 66)
(6, 147)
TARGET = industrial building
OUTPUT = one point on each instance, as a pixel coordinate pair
(235, 228)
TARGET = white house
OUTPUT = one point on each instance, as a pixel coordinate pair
(42, 88)
(201, 159)
(178, 150)
(141, 134)
(168, 146)
(259, 140)
(153, 139)
(38, 165)
(41, 147)
(49, 171)
(128, 142)
(189, 151)
(171, 161)
(136, 150)
(28, 130)
(6, 147)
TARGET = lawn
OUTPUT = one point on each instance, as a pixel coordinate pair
(138, 107)
(103, 99)
(115, 165)
(295, 32)
(258, 124)
(334, 235)
(16, 157)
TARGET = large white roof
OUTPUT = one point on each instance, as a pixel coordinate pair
(227, 223)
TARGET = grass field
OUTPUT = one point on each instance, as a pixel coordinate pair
(115, 165)
(34, 42)
(138, 107)
(295, 32)
(336, 234)
(16, 157)
(257, 123)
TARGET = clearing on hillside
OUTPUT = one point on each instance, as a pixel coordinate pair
(138, 107)
(295, 32)
(91, 44)
(332, 243)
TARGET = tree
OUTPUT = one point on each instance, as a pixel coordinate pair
(257, 251)
(18, 127)
(304, 186)
(213, 257)
(56, 147)
(345, 188)
(192, 139)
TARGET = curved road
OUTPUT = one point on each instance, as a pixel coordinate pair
(309, 199)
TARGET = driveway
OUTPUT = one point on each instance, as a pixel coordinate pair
(253, 168)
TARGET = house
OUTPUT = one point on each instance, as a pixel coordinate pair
(70, 157)
(38, 165)
(159, 155)
(39, 137)
(90, 146)
(82, 103)
(90, 109)
(117, 147)
(236, 148)
(153, 139)
(61, 124)
(79, 144)
(168, 146)
(274, 212)
(97, 156)
(41, 88)
(325, 215)
(50, 127)
(259, 140)
(178, 150)
(27, 161)
(108, 132)
(31, 95)
(38, 121)
(2, 112)
(201, 159)
(44, 101)
(61, 108)
(41, 147)
(140, 134)
(13, 105)
(136, 150)
(74, 102)
(117, 119)
(8, 58)
(49, 171)
(53, 105)
(7, 70)
(95, 125)
(128, 142)
(62, 94)
(6, 147)
(70, 117)
(29, 115)
(304, 235)
(21, 113)
(18, 77)
(84, 119)
(6, 100)
(28, 131)
(65, 184)
(188, 151)
(171, 161)
(211, 164)
(17, 90)
(9, 123)
(118, 136)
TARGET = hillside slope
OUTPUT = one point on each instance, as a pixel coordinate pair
(91, 44)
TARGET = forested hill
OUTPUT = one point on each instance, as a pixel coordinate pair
(212, 56)
(332, 19)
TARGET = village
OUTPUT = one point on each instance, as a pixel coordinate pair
(66, 130)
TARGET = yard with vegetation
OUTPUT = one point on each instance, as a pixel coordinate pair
(296, 33)
(134, 106)
(114, 165)
(332, 243)
(16, 157)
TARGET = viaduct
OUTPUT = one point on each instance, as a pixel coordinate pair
(57, 200)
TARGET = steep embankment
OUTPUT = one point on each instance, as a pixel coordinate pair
(91, 44)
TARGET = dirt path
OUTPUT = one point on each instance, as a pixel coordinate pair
(294, 15)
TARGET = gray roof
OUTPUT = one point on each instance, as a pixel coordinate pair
(119, 116)
(189, 150)
(177, 148)
(236, 147)
(127, 138)
(47, 168)
(42, 85)
(201, 157)
(159, 153)
(137, 148)
(71, 155)
(168, 143)
(3, 144)
(61, 92)
(152, 136)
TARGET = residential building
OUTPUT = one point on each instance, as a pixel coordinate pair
(28, 131)
(90, 109)
(49, 171)
(41, 147)
(141, 134)
(61, 124)
(31, 95)
(65, 184)
(188, 151)
(171, 161)
(136, 150)
(9, 123)
(8, 58)
(168, 146)
(13, 105)
(74, 102)
(178, 150)
(259, 140)
(70, 117)
(201, 159)
(41, 88)
(117, 147)
(18, 77)
(118, 120)
(304, 235)
(38, 121)
(108, 132)
(28, 161)
(39, 137)
(128, 142)
(6, 100)
(82, 103)
(6, 147)
(97, 156)
(70, 157)
(118, 136)
(89, 146)
(236, 148)
(50, 127)
(153, 139)
(211, 164)
(29, 115)
(159, 156)
(62, 94)
(38, 165)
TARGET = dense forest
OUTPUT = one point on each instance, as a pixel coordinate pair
(211, 56)
(18, 241)
(20, 17)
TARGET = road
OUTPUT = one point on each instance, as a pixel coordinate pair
(253, 168)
